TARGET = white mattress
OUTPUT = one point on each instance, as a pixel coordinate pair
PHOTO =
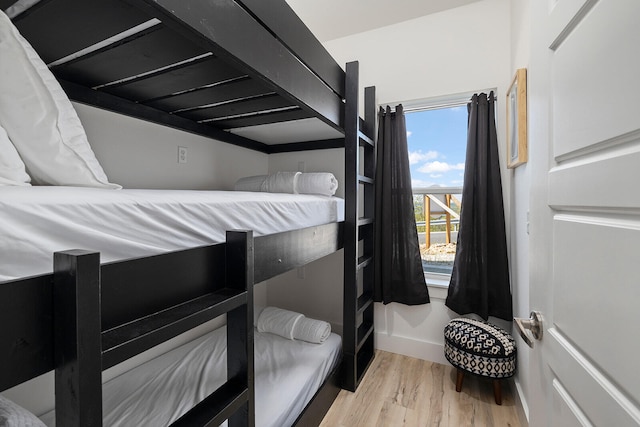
(287, 375)
(121, 224)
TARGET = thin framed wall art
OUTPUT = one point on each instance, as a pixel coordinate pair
(517, 120)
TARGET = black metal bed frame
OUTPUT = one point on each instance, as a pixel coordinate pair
(203, 67)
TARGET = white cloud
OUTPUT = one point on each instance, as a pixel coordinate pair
(409, 133)
(440, 167)
(419, 156)
(435, 175)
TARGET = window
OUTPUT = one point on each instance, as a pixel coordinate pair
(437, 139)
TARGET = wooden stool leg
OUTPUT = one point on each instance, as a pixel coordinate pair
(459, 379)
(497, 391)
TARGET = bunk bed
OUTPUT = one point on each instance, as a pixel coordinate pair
(217, 69)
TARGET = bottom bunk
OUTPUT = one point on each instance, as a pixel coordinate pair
(88, 316)
(287, 375)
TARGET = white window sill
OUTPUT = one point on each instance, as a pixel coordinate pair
(438, 285)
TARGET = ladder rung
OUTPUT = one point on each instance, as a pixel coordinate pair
(364, 331)
(363, 261)
(365, 179)
(364, 221)
(364, 301)
(365, 140)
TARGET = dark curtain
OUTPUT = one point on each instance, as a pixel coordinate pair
(480, 278)
(398, 266)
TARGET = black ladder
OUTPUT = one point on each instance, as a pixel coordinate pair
(82, 349)
(358, 348)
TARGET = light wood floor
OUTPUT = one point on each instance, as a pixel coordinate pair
(402, 391)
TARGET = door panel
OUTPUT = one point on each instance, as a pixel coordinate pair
(585, 386)
(592, 304)
(592, 72)
(565, 411)
(585, 145)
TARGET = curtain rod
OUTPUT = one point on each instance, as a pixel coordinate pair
(434, 103)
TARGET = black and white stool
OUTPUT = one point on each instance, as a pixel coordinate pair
(482, 349)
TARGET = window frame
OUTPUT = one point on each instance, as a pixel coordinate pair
(439, 280)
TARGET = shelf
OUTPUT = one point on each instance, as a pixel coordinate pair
(129, 339)
(217, 407)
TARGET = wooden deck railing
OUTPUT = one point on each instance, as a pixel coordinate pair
(442, 197)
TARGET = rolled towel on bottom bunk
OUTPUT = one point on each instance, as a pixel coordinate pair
(312, 330)
(278, 321)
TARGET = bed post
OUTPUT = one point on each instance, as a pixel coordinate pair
(77, 338)
(240, 361)
(358, 233)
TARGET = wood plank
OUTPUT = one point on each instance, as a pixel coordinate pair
(281, 252)
(225, 92)
(26, 307)
(403, 391)
(282, 21)
(238, 107)
(119, 105)
(77, 346)
(155, 48)
(232, 33)
(95, 20)
(260, 119)
(125, 341)
(206, 71)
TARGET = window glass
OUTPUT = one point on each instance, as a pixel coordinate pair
(437, 146)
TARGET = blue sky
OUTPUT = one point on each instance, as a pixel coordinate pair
(437, 142)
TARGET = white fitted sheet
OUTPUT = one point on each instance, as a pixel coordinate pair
(287, 375)
(120, 224)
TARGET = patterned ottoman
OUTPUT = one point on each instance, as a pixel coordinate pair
(480, 348)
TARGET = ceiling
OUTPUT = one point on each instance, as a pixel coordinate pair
(332, 19)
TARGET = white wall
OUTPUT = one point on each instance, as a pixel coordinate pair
(141, 154)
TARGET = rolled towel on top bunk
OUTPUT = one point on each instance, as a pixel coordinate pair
(293, 325)
(321, 183)
(250, 183)
(281, 182)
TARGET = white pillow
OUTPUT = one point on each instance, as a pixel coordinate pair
(40, 119)
(11, 167)
(13, 415)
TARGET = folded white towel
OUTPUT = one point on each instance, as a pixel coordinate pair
(323, 183)
(250, 183)
(278, 321)
(312, 330)
(281, 182)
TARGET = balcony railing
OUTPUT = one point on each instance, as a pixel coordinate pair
(438, 200)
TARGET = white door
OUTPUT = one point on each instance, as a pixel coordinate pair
(584, 142)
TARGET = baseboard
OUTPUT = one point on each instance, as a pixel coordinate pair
(521, 405)
(424, 350)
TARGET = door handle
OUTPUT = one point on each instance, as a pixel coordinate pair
(534, 324)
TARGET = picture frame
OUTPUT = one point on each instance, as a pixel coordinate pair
(517, 120)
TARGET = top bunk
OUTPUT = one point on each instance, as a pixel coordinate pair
(225, 69)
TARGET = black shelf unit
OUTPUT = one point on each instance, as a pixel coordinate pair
(358, 333)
